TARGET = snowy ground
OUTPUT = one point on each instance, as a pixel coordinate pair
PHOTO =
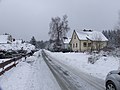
(79, 61)
(32, 74)
(72, 79)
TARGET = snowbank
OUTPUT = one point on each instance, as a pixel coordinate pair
(31, 74)
(79, 61)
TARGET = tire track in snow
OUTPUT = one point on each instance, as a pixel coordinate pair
(94, 83)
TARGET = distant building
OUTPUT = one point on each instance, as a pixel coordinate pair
(18, 41)
(6, 39)
(87, 40)
(66, 42)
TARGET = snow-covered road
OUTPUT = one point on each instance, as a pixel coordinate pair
(71, 79)
(32, 74)
(42, 72)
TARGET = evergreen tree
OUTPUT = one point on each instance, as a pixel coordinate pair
(33, 41)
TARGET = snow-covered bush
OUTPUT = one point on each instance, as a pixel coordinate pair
(94, 57)
(17, 46)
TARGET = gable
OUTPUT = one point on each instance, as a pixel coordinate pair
(74, 36)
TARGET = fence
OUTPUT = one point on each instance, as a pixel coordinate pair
(7, 65)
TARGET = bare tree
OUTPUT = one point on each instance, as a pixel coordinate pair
(58, 29)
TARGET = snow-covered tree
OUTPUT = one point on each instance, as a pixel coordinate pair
(58, 29)
(33, 41)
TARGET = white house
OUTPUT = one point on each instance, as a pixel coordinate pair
(5, 39)
(66, 42)
(87, 40)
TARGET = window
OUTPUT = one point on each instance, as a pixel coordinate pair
(85, 44)
(73, 45)
(76, 44)
(74, 36)
(89, 44)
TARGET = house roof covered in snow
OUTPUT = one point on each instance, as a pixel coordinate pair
(4, 39)
(18, 41)
(66, 41)
(91, 35)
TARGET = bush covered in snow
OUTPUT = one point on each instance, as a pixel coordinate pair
(17, 45)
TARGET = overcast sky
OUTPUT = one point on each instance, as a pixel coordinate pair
(26, 18)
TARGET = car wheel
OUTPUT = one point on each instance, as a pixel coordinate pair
(110, 86)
